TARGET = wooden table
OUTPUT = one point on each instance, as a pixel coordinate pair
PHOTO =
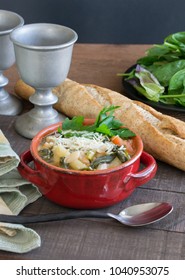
(106, 239)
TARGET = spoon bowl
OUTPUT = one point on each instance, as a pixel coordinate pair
(143, 214)
(134, 216)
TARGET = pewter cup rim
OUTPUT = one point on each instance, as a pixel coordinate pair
(27, 27)
(9, 30)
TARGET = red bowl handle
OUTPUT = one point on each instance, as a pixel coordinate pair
(26, 171)
(143, 176)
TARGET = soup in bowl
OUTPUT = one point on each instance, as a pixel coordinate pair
(84, 150)
(76, 172)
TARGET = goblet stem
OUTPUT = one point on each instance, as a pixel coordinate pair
(41, 116)
(3, 80)
(43, 97)
(9, 104)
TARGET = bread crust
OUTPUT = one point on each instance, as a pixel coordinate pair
(23, 90)
(163, 136)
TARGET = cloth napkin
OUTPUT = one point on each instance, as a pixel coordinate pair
(8, 158)
(15, 194)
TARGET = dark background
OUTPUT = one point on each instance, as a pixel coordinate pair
(107, 21)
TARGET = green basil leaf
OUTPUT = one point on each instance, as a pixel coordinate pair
(105, 123)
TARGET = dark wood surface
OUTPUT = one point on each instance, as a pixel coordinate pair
(106, 239)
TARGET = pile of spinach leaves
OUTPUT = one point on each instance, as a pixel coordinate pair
(160, 74)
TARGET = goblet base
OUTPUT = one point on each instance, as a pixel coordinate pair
(29, 124)
(10, 105)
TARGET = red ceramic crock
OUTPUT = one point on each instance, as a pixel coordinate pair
(86, 189)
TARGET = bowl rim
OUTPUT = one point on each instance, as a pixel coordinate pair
(52, 128)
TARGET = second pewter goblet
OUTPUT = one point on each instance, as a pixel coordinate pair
(43, 56)
(9, 104)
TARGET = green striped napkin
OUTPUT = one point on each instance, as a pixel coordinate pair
(15, 194)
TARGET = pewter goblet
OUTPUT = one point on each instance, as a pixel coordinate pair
(43, 56)
(9, 104)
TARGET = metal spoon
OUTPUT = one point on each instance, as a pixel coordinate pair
(137, 215)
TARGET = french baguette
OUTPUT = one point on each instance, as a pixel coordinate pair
(163, 136)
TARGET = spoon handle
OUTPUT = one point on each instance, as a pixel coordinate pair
(51, 217)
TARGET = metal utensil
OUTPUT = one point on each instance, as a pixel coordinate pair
(9, 104)
(137, 215)
(43, 54)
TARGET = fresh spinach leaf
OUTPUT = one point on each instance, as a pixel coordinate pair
(164, 73)
(152, 87)
(177, 82)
